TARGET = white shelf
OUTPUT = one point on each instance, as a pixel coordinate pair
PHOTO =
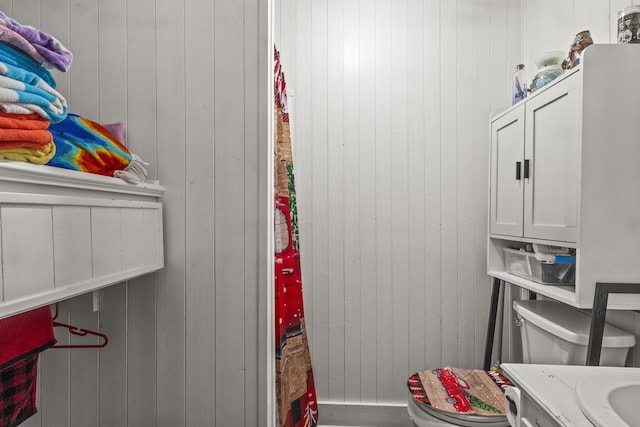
(64, 233)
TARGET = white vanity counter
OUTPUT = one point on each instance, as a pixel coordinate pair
(549, 392)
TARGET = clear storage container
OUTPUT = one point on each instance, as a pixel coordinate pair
(561, 271)
(629, 25)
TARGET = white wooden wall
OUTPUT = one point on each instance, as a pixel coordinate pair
(191, 81)
(390, 109)
(391, 105)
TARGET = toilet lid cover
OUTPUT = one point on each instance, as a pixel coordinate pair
(469, 392)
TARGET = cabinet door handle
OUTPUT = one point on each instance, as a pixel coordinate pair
(526, 169)
(518, 168)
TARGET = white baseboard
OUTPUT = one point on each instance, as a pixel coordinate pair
(332, 414)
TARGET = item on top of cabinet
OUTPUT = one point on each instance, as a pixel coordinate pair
(519, 84)
(580, 42)
(629, 25)
(550, 67)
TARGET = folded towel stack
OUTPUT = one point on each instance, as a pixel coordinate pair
(23, 337)
(27, 90)
(34, 122)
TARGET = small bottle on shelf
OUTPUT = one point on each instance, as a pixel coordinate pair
(519, 84)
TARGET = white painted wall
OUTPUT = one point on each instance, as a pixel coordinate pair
(191, 80)
(391, 100)
(390, 111)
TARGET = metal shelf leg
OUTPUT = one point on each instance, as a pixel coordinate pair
(491, 327)
(600, 300)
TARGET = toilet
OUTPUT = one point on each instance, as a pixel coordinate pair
(552, 333)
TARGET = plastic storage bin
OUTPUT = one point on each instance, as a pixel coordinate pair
(558, 334)
(561, 271)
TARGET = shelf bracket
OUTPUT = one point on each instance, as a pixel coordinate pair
(600, 300)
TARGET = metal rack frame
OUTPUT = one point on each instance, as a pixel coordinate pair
(599, 312)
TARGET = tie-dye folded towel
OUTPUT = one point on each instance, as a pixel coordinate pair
(84, 145)
(54, 52)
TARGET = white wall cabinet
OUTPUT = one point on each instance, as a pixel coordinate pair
(565, 171)
(534, 181)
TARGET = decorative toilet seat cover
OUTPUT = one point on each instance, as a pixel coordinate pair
(466, 393)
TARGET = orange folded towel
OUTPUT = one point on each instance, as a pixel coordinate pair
(31, 121)
(26, 128)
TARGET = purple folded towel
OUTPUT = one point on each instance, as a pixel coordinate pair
(53, 52)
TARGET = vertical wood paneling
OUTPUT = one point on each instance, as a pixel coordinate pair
(142, 359)
(335, 197)
(141, 355)
(600, 21)
(450, 176)
(286, 46)
(82, 98)
(302, 146)
(433, 93)
(112, 37)
(54, 374)
(320, 212)
(84, 373)
(399, 198)
(352, 262)
(383, 194)
(200, 216)
(465, 98)
(258, 264)
(255, 200)
(153, 43)
(106, 239)
(112, 375)
(502, 70)
(482, 70)
(367, 210)
(153, 250)
(420, 81)
(7, 7)
(154, 65)
(229, 255)
(72, 244)
(142, 92)
(416, 148)
(133, 228)
(27, 243)
(170, 304)
(55, 21)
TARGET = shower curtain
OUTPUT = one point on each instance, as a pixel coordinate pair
(296, 394)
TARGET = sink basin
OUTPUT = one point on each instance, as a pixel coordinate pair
(610, 398)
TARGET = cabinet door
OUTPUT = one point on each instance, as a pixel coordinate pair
(506, 192)
(552, 149)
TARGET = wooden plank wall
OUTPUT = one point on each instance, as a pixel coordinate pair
(390, 101)
(390, 109)
(191, 80)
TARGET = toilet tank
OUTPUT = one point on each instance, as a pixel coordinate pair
(555, 333)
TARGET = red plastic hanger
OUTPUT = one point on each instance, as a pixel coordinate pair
(78, 332)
